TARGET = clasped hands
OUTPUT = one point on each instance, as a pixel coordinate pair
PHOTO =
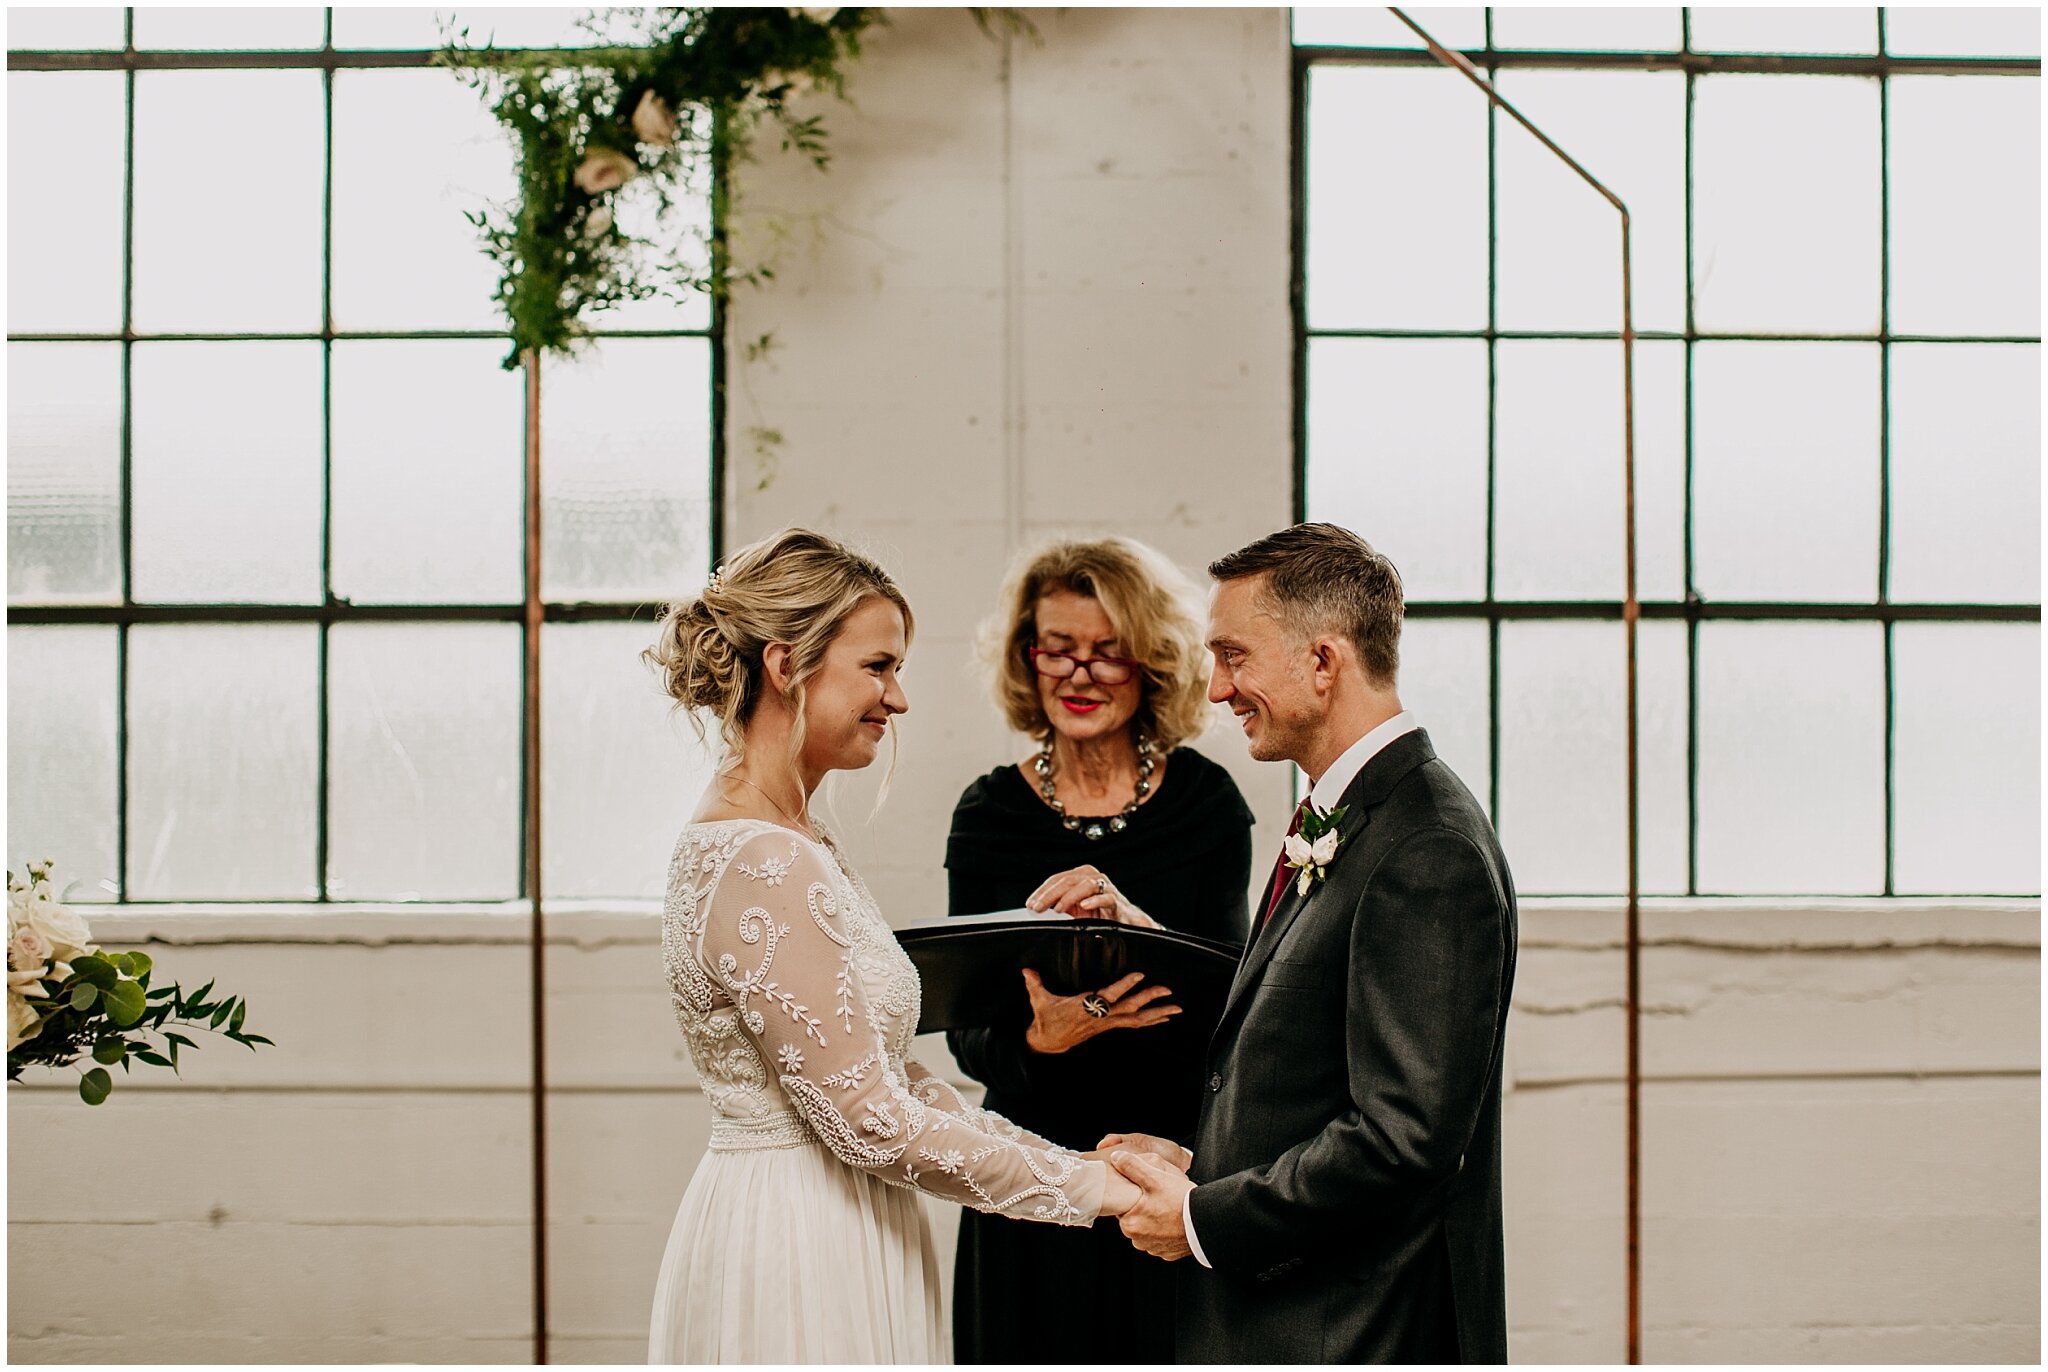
(1147, 1186)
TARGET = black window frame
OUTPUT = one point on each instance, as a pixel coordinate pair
(1692, 610)
(330, 610)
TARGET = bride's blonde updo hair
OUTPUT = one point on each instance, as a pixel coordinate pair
(795, 587)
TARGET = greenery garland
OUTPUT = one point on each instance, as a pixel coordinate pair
(637, 128)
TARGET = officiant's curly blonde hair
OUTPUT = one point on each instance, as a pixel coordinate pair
(796, 587)
(1153, 608)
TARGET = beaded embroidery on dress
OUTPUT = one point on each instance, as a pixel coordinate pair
(799, 1009)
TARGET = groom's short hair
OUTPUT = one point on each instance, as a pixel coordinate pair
(1320, 577)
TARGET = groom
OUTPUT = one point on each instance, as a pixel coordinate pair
(1344, 1199)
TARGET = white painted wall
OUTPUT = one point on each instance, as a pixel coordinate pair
(1042, 288)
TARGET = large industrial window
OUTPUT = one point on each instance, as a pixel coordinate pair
(265, 480)
(1837, 287)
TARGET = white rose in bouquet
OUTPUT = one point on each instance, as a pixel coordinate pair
(22, 1022)
(654, 121)
(28, 950)
(604, 169)
(822, 16)
(66, 932)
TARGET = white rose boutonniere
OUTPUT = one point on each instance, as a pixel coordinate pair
(1312, 847)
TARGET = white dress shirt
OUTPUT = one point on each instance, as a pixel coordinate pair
(1325, 792)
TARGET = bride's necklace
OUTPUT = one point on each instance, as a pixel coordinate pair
(1148, 762)
(802, 826)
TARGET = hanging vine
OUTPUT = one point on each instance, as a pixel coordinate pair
(617, 145)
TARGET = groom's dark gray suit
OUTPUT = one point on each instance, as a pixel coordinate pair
(1347, 1157)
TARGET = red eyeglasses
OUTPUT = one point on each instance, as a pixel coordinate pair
(1103, 671)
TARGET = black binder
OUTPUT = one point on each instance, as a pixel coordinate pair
(971, 966)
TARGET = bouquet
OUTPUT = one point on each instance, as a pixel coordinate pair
(67, 999)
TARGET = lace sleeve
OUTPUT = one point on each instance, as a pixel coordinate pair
(776, 942)
(935, 1091)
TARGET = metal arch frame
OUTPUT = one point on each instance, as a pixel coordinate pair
(1693, 611)
(531, 612)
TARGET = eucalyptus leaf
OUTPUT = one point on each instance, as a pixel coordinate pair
(94, 970)
(84, 995)
(125, 1003)
(110, 1051)
(95, 1086)
(154, 1059)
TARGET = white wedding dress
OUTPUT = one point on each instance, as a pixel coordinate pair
(800, 1238)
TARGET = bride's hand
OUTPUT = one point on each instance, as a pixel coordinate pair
(1171, 1153)
(1119, 1192)
(1085, 893)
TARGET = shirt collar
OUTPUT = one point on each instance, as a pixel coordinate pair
(1331, 785)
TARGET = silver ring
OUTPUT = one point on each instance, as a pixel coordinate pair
(1095, 1005)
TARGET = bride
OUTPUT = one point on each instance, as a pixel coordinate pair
(801, 1237)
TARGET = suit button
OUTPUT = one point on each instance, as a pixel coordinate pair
(1215, 1081)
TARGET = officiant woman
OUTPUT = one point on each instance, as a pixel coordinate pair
(1097, 656)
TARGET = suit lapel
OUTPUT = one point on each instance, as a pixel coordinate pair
(1370, 787)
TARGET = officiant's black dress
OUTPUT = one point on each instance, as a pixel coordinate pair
(1037, 1292)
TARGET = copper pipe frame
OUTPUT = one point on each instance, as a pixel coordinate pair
(537, 928)
(1631, 612)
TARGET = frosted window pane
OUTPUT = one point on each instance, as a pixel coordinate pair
(1564, 756)
(227, 472)
(620, 774)
(63, 472)
(1786, 29)
(221, 767)
(1785, 209)
(227, 204)
(1559, 489)
(1791, 766)
(1967, 759)
(1966, 205)
(1397, 451)
(64, 230)
(1624, 28)
(1453, 26)
(382, 27)
(246, 27)
(60, 755)
(413, 151)
(1396, 199)
(1785, 465)
(424, 739)
(429, 473)
(59, 28)
(1444, 680)
(1966, 472)
(1560, 241)
(1959, 32)
(626, 470)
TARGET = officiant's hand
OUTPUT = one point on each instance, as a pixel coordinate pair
(1062, 1022)
(1156, 1224)
(1166, 1150)
(1086, 893)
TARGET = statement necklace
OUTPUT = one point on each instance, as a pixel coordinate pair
(1148, 762)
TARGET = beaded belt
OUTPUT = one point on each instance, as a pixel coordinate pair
(770, 1131)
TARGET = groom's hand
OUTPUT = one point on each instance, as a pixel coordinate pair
(1171, 1153)
(1155, 1224)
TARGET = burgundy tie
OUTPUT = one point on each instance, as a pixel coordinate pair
(1280, 867)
